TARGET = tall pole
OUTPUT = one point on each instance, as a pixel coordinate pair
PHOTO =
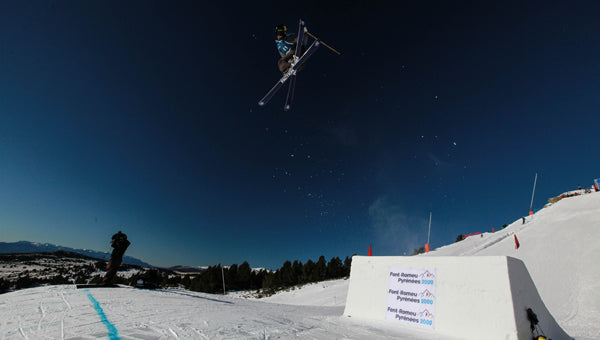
(532, 195)
(429, 232)
(223, 276)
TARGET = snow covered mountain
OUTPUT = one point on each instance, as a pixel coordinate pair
(559, 246)
(187, 269)
(25, 270)
(33, 247)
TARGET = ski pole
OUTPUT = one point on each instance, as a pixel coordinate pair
(324, 44)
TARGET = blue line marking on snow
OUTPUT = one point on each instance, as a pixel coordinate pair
(113, 334)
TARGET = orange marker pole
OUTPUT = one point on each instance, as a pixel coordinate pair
(533, 194)
(428, 234)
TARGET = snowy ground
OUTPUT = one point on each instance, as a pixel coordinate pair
(559, 245)
(64, 312)
(327, 294)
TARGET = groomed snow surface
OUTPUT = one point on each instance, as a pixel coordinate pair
(559, 246)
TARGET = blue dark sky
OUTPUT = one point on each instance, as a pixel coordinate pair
(142, 116)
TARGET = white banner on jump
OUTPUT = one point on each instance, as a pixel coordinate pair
(411, 296)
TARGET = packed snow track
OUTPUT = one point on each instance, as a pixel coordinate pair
(64, 312)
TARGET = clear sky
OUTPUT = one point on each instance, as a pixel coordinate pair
(142, 116)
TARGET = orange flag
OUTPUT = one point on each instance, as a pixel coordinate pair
(370, 251)
(517, 245)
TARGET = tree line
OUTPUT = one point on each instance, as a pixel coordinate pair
(243, 277)
(237, 277)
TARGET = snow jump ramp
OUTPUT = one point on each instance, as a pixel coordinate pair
(456, 297)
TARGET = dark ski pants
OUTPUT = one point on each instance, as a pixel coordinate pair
(113, 265)
(284, 63)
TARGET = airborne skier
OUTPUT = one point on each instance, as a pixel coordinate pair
(293, 59)
(286, 45)
(120, 244)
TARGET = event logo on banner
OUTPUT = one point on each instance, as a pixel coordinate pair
(411, 296)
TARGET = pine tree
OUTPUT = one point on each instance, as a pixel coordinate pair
(307, 271)
(267, 282)
(320, 272)
(297, 269)
(257, 278)
(186, 281)
(209, 281)
(347, 266)
(244, 276)
(231, 277)
(335, 268)
(287, 274)
(4, 286)
(276, 280)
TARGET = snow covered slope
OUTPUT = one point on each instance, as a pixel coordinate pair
(559, 246)
(64, 312)
(326, 293)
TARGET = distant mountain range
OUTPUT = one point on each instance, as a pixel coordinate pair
(198, 270)
(187, 269)
(33, 247)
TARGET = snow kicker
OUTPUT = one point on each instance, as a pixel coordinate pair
(463, 297)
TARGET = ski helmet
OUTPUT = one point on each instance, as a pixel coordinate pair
(280, 30)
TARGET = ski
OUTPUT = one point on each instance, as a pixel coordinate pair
(292, 71)
(299, 46)
(275, 88)
(290, 94)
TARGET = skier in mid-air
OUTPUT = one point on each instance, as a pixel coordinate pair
(120, 244)
(286, 45)
(292, 59)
